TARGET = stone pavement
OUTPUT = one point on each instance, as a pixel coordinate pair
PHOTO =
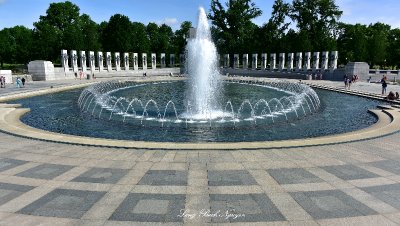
(45, 183)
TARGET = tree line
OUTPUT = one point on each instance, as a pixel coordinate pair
(296, 26)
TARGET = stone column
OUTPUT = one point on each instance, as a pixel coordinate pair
(163, 64)
(254, 61)
(74, 59)
(236, 61)
(226, 60)
(245, 61)
(299, 60)
(281, 61)
(117, 61)
(92, 63)
(290, 61)
(263, 61)
(144, 61)
(83, 60)
(153, 61)
(307, 60)
(324, 61)
(171, 60)
(100, 61)
(273, 61)
(126, 61)
(135, 61)
(315, 61)
(108, 61)
(64, 60)
(334, 59)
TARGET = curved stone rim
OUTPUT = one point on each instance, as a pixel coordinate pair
(388, 123)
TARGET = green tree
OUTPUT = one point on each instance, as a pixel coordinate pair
(117, 34)
(394, 47)
(179, 40)
(23, 38)
(153, 34)
(7, 46)
(378, 43)
(317, 20)
(353, 43)
(232, 25)
(140, 41)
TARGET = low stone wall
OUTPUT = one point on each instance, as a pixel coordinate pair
(7, 74)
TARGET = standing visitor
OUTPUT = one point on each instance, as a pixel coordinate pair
(346, 82)
(18, 82)
(1, 82)
(23, 82)
(384, 85)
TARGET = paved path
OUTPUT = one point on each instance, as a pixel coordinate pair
(44, 183)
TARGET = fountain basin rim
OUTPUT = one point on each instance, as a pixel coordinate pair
(388, 123)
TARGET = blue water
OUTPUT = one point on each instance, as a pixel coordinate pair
(59, 112)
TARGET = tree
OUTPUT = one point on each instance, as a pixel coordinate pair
(23, 38)
(117, 34)
(378, 43)
(179, 39)
(7, 46)
(353, 43)
(140, 41)
(318, 20)
(232, 25)
(153, 34)
(394, 47)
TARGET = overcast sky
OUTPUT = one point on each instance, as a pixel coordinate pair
(173, 12)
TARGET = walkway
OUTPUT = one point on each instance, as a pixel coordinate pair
(48, 183)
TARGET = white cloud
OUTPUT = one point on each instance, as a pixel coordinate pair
(168, 21)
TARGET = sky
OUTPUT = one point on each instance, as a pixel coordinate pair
(174, 12)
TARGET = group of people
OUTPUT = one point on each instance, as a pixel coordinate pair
(392, 95)
(348, 80)
(20, 82)
(3, 81)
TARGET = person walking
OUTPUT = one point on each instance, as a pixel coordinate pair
(1, 82)
(18, 82)
(23, 82)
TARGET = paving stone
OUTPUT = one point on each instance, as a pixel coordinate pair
(63, 203)
(230, 178)
(349, 172)
(45, 171)
(101, 175)
(150, 208)
(331, 204)
(164, 177)
(11, 191)
(293, 176)
(243, 208)
(389, 194)
(6, 164)
(387, 165)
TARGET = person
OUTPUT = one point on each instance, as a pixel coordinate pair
(1, 82)
(346, 82)
(23, 82)
(369, 79)
(18, 82)
(391, 96)
(350, 80)
(384, 85)
(80, 75)
(93, 76)
(397, 95)
(4, 82)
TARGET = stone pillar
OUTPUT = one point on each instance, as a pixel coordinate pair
(83, 60)
(254, 61)
(64, 60)
(334, 59)
(226, 60)
(263, 61)
(117, 61)
(144, 61)
(299, 60)
(153, 61)
(100, 61)
(172, 60)
(236, 61)
(307, 60)
(74, 59)
(245, 61)
(135, 61)
(92, 63)
(126, 61)
(290, 61)
(273, 61)
(315, 61)
(163, 64)
(324, 61)
(281, 61)
(108, 61)
(41, 70)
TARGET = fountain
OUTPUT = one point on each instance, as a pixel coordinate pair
(204, 82)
